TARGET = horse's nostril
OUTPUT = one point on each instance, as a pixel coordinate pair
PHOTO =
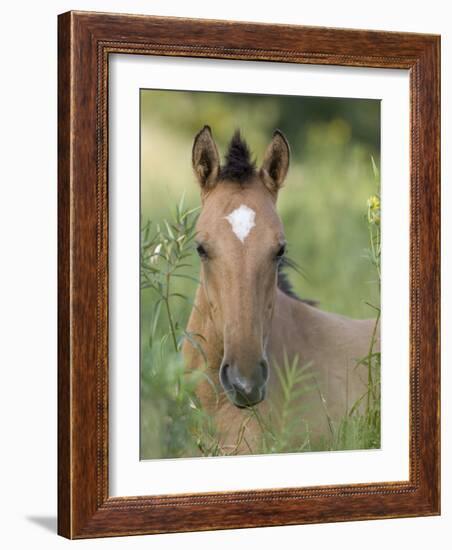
(264, 370)
(224, 379)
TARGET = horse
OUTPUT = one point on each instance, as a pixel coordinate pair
(248, 321)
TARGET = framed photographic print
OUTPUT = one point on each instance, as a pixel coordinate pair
(248, 275)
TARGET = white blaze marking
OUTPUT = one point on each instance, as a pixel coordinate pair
(242, 221)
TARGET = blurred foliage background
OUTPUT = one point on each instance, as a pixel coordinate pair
(323, 204)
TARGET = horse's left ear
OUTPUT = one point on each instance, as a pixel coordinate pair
(276, 162)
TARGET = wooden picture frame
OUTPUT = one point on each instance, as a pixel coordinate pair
(85, 42)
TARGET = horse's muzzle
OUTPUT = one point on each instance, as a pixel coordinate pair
(244, 391)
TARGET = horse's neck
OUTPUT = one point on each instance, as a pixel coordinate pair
(297, 329)
(328, 343)
(304, 330)
(290, 327)
(332, 344)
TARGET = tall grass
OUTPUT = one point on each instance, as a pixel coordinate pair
(173, 423)
(360, 428)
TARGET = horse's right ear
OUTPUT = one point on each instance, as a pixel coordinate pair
(205, 159)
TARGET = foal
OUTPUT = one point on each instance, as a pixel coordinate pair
(248, 320)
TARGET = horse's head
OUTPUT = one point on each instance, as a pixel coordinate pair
(240, 239)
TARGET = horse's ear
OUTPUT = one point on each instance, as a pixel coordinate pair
(205, 159)
(276, 162)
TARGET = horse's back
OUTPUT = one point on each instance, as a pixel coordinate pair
(332, 353)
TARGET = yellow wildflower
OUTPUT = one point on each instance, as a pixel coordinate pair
(373, 209)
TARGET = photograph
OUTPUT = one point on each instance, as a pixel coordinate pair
(260, 245)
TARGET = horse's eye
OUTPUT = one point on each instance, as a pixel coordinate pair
(281, 252)
(201, 251)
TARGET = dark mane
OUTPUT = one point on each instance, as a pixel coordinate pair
(285, 286)
(238, 166)
(284, 283)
